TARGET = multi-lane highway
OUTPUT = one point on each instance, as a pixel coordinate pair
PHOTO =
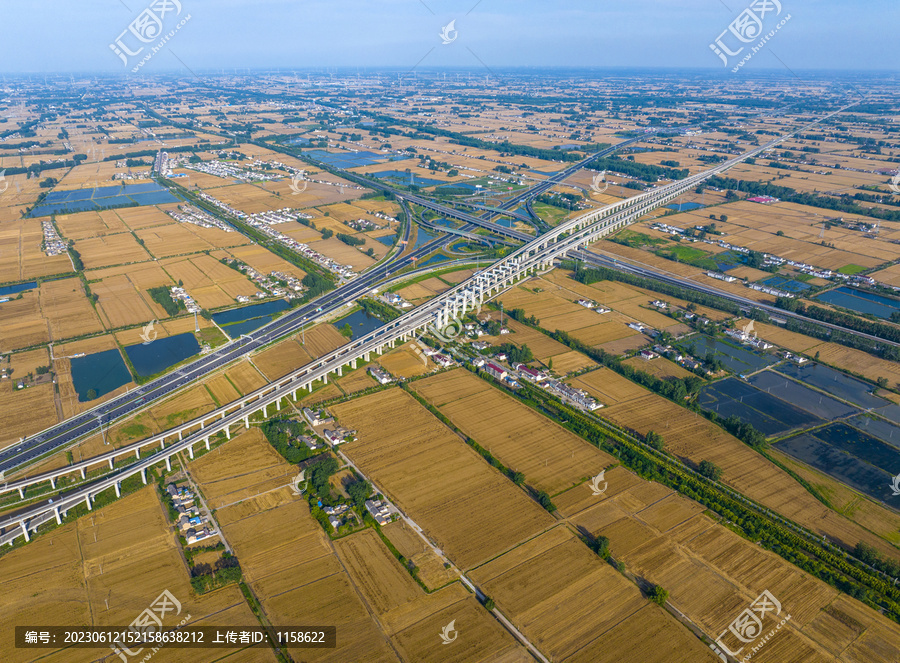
(93, 421)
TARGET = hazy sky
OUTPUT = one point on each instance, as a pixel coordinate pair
(75, 35)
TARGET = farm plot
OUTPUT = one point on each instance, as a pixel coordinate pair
(24, 412)
(659, 367)
(406, 361)
(263, 260)
(322, 339)
(437, 479)
(21, 322)
(89, 224)
(172, 239)
(67, 310)
(110, 250)
(518, 436)
(768, 414)
(120, 302)
(20, 244)
(208, 281)
(583, 604)
(282, 358)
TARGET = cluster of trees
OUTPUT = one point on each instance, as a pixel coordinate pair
(327, 233)
(350, 240)
(519, 314)
(567, 201)
(281, 433)
(205, 578)
(515, 354)
(379, 309)
(163, 297)
(316, 285)
(641, 171)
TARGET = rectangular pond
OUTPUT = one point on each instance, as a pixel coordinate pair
(879, 428)
(120, 195)
(101, 372)
(861, 301)
(18, 287)
(249, 318)
(360, 322)
(819, 452)
(347, 159)
(801, 396)
(768, 414)
(162, 353)
(835, 383)
(739, 360)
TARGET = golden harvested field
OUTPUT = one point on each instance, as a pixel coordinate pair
(566, 613)
(21, 322)
(519, 437)
(245, 377)
(356, 381)
(120, 302)
(104, 570)
(172, 239)
(263, 260)
(67, 310)
(407, 541)
(223, 471)
(437, 479)
(110, 250)
(282, 358)
(222, 390)
(138, 218)
(208, 281)
(24, 412)
(144, 275)
(660, 367)
(24, 363)
(712, 574)
(20, 246)
(343, 253)
(322, 339)
(540, 344)
(89, 224)
(857, 361)
(405, 361)
(603, 385)
(287, 560)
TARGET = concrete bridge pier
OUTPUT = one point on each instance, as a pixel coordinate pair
(228, 432)
(206, 442)
(111, 464)
(118, 489)
(87, 501)
(22, 493)
(56, 513)
(191, 451)
(25, 531)
(82, 473)
(144, 476)
(53, 483)
(137, 453)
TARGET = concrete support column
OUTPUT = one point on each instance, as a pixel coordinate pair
(223, 412)
(111, 463)
(247, 421)
(168, 463)
(21, 493)
(87, 501)
(339, 371)
(137, 453)
(202, 425)
(294, 395)
(162, 443)
(206, 442)
(191, 451)
(325, 379)
(228, 432)
(53, 483)
(82, 473)
(118, 489)
(56, 513)
(353, 364)
(25, 531)
(179, 436)
(265, 410)
(366, 356)
(144, 476)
